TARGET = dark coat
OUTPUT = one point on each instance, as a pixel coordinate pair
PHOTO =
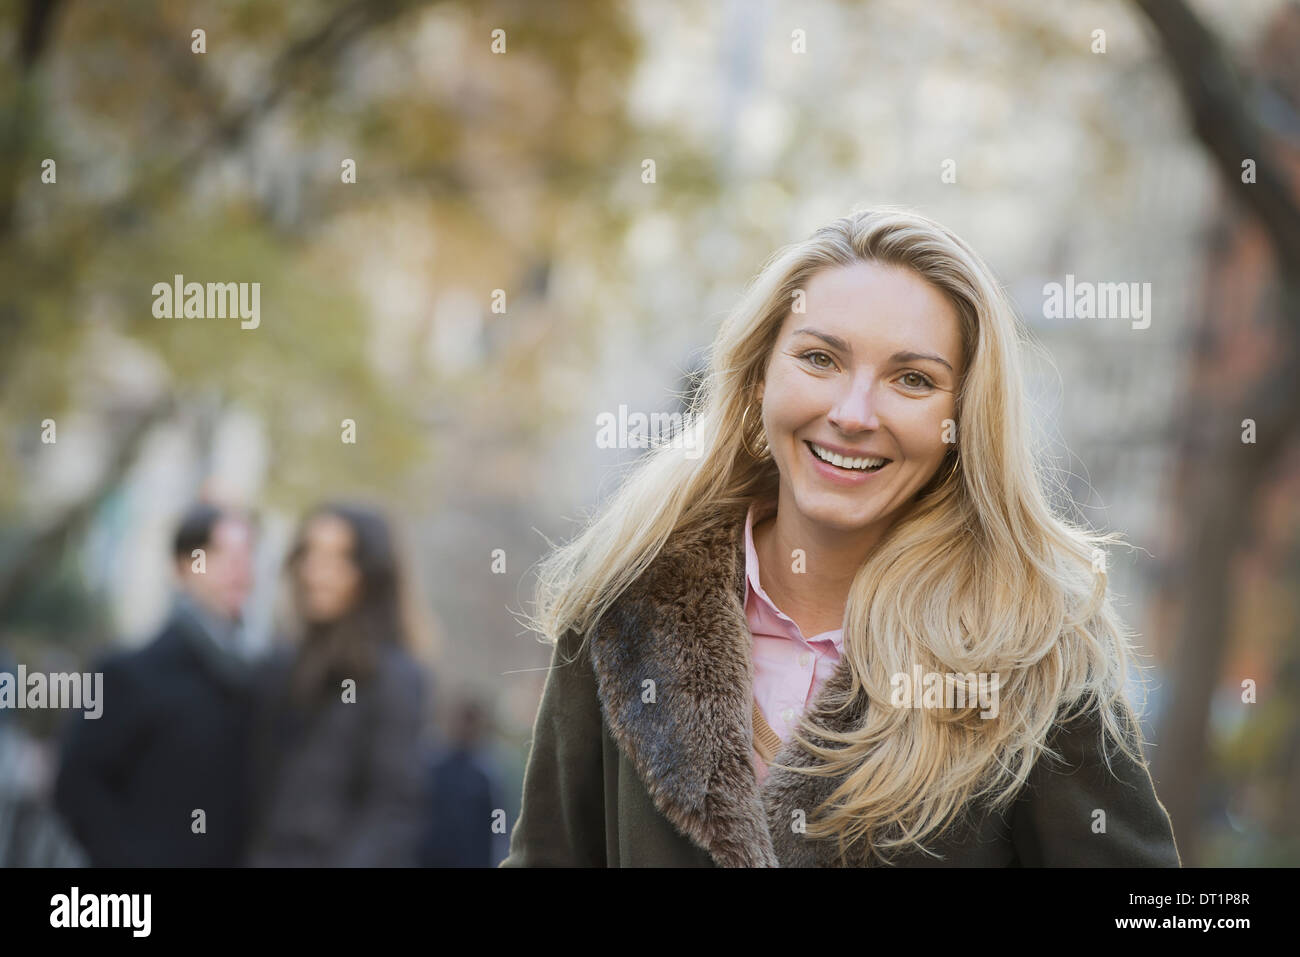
(172, 738)
(343, 786)
(465, 795)
(614, 781)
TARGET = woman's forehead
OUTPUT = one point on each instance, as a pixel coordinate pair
(870, 290)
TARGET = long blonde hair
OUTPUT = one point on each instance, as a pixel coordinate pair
(978, 575)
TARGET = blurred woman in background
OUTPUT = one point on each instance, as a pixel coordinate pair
(339, 762)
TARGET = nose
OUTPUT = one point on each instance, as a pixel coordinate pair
(855, 407)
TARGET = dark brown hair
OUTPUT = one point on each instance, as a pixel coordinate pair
(349, 646)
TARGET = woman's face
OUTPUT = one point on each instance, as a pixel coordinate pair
(329, 581)
(869, 370)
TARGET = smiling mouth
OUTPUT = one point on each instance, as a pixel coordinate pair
(864, 464)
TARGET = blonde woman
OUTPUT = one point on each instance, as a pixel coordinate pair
(845, 627)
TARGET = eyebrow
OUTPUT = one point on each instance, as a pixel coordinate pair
(836, 342)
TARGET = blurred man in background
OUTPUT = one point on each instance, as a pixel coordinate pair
(161, 777)
(466, 793)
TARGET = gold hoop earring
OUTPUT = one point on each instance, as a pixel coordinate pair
(744, 436)
(939, 481)
(954, 466)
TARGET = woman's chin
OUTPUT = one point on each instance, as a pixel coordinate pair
(829, 511)
(318, 618)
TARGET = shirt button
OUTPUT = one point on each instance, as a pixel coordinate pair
(804, 659)
(787, 715)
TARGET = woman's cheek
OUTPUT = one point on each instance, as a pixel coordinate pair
(787, 408)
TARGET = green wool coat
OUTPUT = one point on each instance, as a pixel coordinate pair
(620, 777)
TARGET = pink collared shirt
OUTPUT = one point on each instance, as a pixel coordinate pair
(789, 669)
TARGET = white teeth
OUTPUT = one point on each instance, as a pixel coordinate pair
(834, 458)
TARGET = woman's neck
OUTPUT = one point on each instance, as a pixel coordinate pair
(808, 570)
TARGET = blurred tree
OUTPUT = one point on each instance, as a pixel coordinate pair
(1221, 477)
(226, 166)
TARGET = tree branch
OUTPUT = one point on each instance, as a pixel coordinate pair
(1225, 124)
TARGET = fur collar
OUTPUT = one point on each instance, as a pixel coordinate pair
(682, 625)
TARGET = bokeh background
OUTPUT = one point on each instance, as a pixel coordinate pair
(501, 273)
